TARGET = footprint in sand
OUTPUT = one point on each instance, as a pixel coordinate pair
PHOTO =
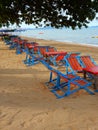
(35, 119)
(13, 117)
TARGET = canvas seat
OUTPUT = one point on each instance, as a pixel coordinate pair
(87, 61)
(73, 65)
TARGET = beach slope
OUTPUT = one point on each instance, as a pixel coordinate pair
(26, 103)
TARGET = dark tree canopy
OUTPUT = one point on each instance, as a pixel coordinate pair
(55, 13)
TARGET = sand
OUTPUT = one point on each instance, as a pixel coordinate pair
(27, 104)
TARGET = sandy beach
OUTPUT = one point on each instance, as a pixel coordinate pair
(27, 104)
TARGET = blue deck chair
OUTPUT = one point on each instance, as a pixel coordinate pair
(42, 50)
(21, 46)
(8, 39)
(30, 59)
(76, 65)
(36, 50)
(62, 84)
(56, 58)
(73, 65)
(52, 49)
(13, 44)
(65, 87)
(87, 61)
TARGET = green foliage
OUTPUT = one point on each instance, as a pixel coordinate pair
(56, 13)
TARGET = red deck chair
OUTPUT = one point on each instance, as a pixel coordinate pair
(64, 85)
(73, 64)
(56, 58)
(52, 49)
(42, 51)
(87, 61)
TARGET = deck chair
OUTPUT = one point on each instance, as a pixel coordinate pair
(76, 65)
(34, 50)
(30, 46)
(87, 61)
(64, 85)
(8, 39)
(42, 50)
(52, 49)
(29, 50)
(14, 42)
(22, 45)
(73, 65)
(56, 58)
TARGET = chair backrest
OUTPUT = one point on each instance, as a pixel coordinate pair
(61, 56)
(73, 54)
(51, 49)
(28, 45)
(42, 50)
(15, 40)
(34, 43)
(74, 64)
(87, 61)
